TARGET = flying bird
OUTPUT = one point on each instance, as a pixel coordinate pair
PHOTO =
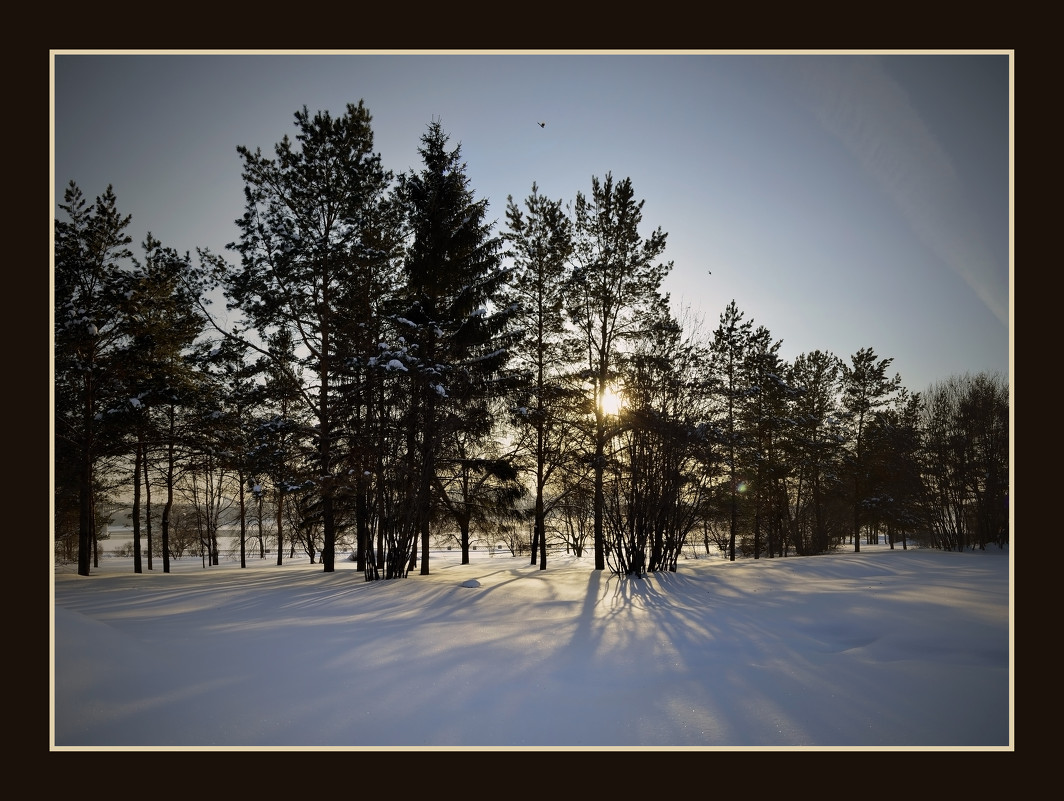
(543, 125)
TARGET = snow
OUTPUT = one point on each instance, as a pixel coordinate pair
(871, 650)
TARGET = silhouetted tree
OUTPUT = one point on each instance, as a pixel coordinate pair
(159, 375)
(314, 226)
(614, 286)
(813, 448)
(90, 246)
(458, 339)
(865, 390)
(764, 417)
(895, 499)
(964, 424)
(661, 478)
(541, 240)
(730, 347)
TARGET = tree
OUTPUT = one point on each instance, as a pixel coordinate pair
(475, 484)
(231, 408)
(813, 448)
(984, 415)
(613, 290)
(170, 293)
(764, 417)
(90, 246)
(730, 346)
(895, 486)
(278, 429)
(159, 306)
(865, 390)
(459, 341)
(317, 223)
(661, 476)
(541, 240)
(965, 447)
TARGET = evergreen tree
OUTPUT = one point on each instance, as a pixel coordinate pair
(316, 227)
(730, 347)
(764, 416)
(458, 340)
(278, 429)
(613, 291)
(162, 324)
(90, 246)
(540, 236)
(812, 448)
(865, 390)
(231, 410)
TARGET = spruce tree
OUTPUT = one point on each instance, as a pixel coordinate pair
(458, 339)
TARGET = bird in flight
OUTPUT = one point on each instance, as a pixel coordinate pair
(543, 125)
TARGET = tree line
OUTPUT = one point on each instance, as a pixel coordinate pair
(402, 369)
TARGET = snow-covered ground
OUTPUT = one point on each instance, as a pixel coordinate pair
(885, 648)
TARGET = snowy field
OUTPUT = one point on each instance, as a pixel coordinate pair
(885, 649)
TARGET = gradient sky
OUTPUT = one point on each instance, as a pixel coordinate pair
(842, 200)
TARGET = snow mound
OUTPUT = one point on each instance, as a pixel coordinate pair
(471, 583)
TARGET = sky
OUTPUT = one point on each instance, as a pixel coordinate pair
(882, 649)
(842, 200)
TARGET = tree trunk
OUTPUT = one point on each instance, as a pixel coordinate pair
(86, 514)
(243, 518)
(138, 459)
(169, 505)
(147, 509)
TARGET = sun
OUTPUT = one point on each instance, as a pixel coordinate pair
(611, 401)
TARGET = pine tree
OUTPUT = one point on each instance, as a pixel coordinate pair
(317, 225)
(730, 347)
(613, 290)
(541, 240)
(866, 390)
(90, 246)
(159, 305)
(764, 417)
(812, 447)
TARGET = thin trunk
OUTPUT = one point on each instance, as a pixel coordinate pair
(169, 505)
(243, 518)
(86, 513)
(147, 508)
(138, 459)
(280, 526)
(428, 468)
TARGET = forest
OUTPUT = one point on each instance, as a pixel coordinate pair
(403, 374)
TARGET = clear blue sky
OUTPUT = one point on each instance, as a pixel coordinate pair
(842, 200)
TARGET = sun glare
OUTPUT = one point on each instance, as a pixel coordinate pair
(611, 401)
